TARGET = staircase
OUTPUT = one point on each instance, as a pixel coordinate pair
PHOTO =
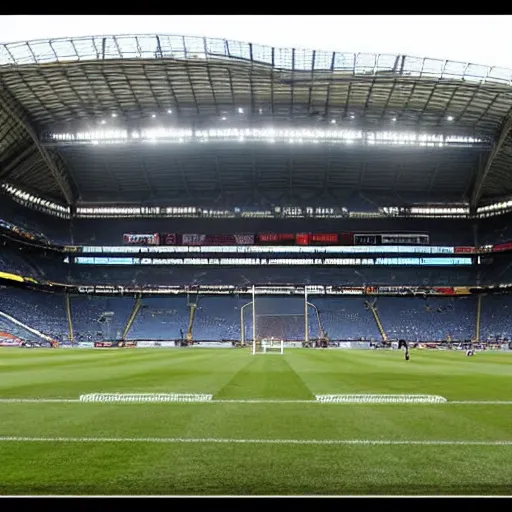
(376, 316)
(190, 331)
(70, 319)
(133, 316)
(478, 317)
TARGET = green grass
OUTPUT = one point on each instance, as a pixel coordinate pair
(205, 468)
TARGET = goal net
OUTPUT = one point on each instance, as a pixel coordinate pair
(277, 321)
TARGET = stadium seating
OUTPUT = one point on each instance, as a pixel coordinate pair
(45, 312)
(495, 230)
(217, 318)
(160, 319)
(344, 319)
(220, 317)
(432, 319)
(9, 328)
(99, 317)
(10, 262)
(350, 276)
(496, 317)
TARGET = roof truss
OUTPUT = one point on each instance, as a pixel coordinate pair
(135, 81)
(55, 165)
(485, 169)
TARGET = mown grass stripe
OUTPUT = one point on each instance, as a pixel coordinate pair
(213, 440)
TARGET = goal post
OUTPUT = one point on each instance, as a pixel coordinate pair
(277, 321)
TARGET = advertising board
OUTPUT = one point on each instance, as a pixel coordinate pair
(145, 344)
(104, 344)
(9, 343)
(156, 344)
(212, 344)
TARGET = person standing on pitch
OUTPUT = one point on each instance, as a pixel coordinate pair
(403, 344)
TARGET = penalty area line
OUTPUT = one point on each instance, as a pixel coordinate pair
(213, 440)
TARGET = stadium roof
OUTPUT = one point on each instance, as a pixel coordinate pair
(144, 81)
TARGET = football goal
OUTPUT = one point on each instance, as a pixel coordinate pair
(274, 323)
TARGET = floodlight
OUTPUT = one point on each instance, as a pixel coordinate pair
(114, 114)
(352, 116)
(333, 121)
(169, 111)
(394, 119)
(450, 118)
(240, 110)
(153, 115)
(223, 118)
(103, 121)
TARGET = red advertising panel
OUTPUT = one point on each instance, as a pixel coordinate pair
(346, 239)
(276, 238)
(324, 239)
(465, 250)
(302, 238)
(195, 239)
(103, 344)
(445, 290)
(502, 247)
(127, 344)
(299, 238)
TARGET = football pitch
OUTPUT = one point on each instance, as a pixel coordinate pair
(263, 432)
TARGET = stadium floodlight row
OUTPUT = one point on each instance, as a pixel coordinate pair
(320, 212)
(291, 136)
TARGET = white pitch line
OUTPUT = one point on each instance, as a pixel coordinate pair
(262, 401)
(480, 402)
(213, 440)
(37, 400)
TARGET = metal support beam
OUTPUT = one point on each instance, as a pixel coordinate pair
(484, 170)
(11, 105)
(12, 164)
